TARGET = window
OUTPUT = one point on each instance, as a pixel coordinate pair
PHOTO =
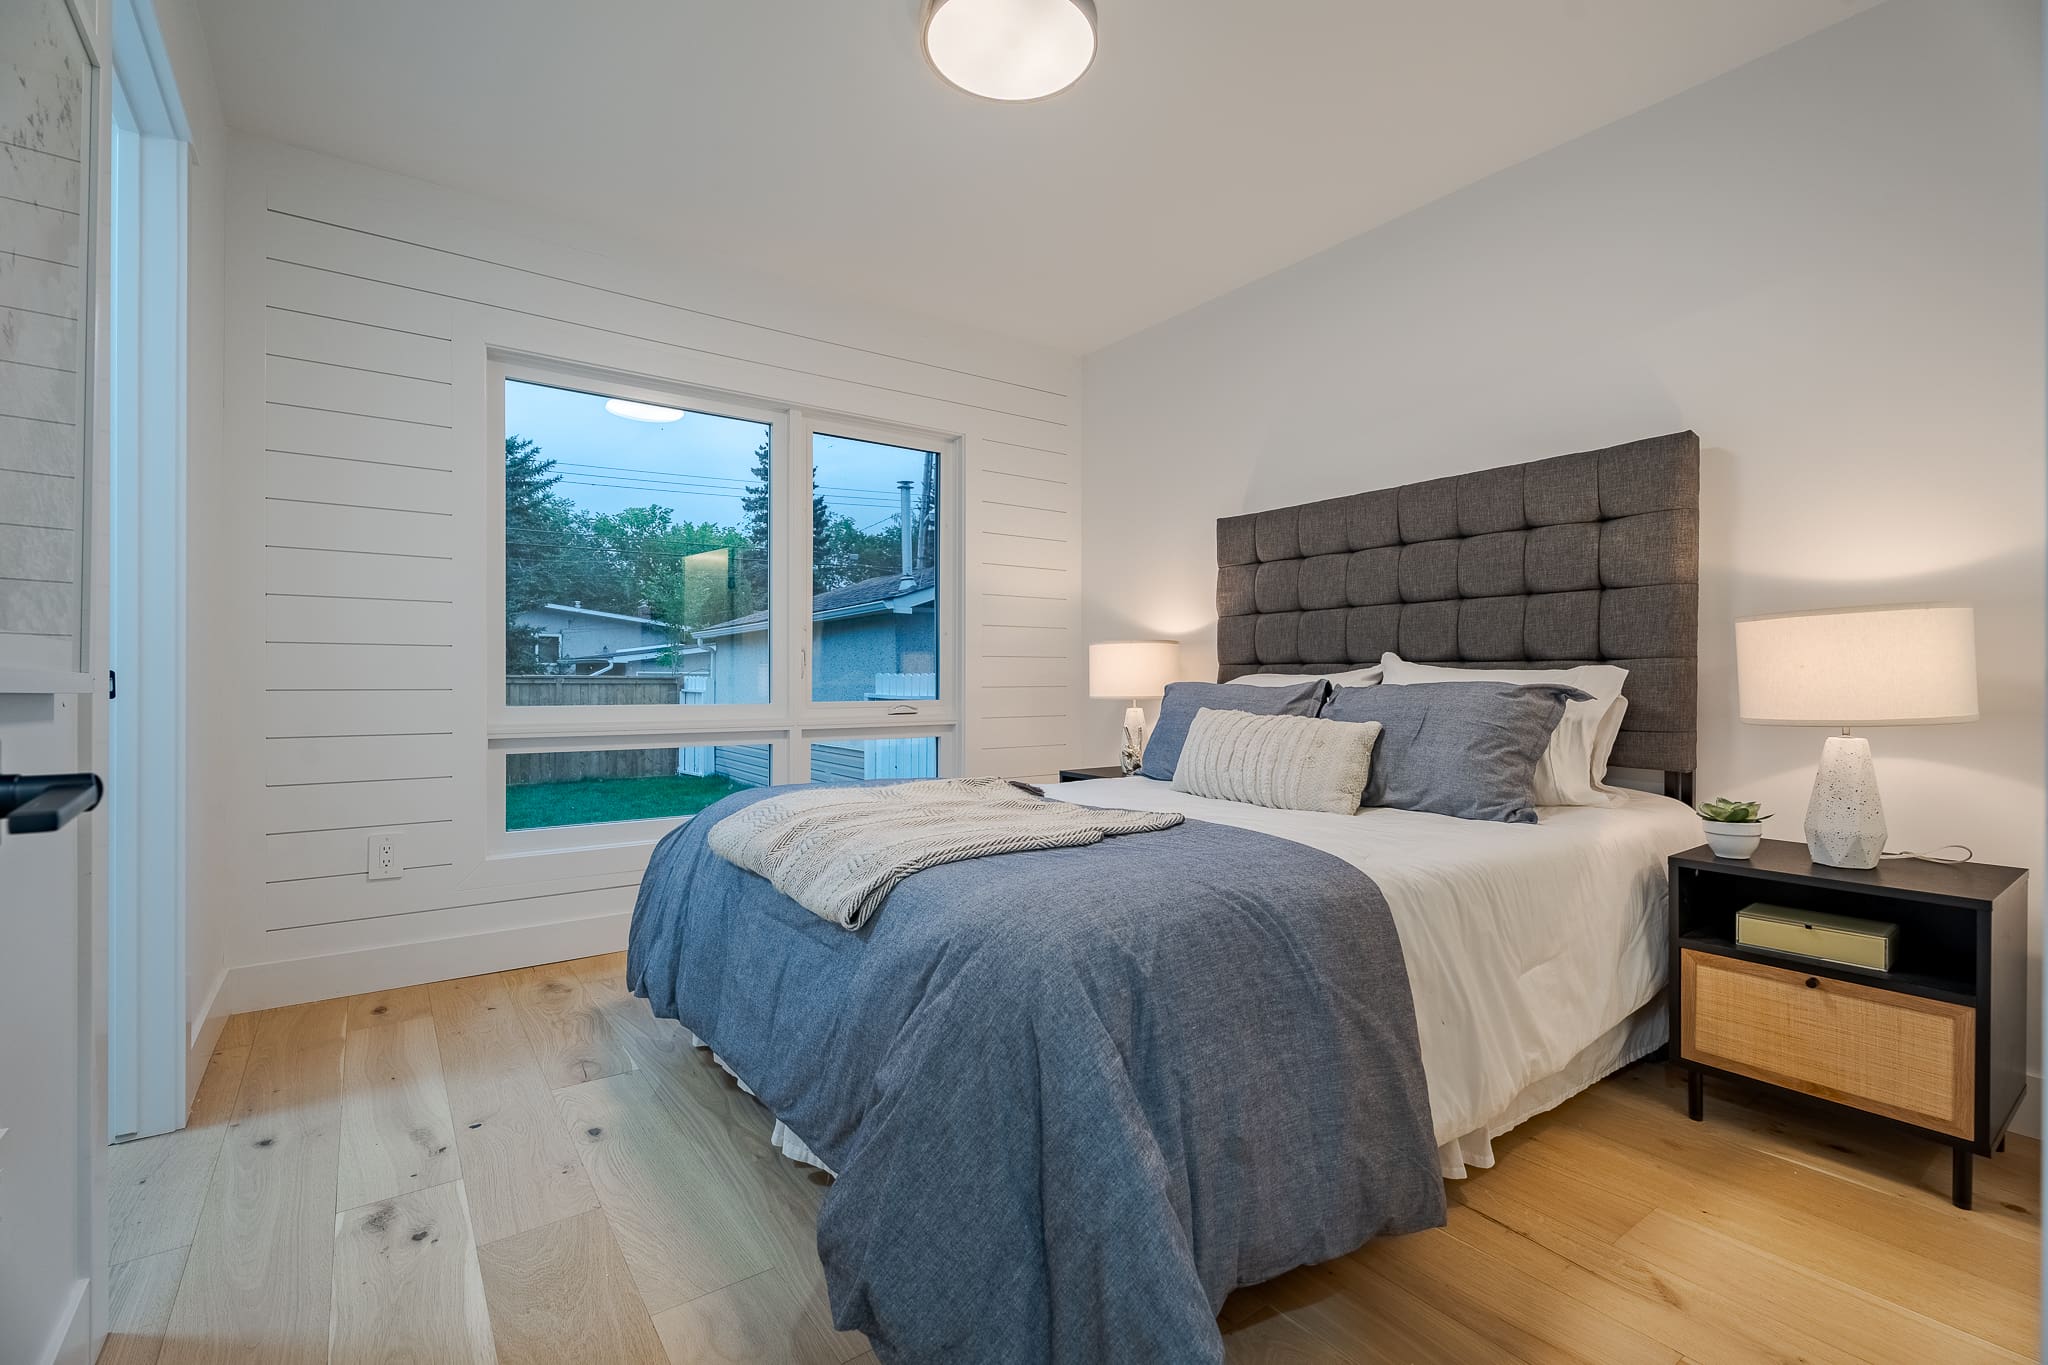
(611, 786)
(630, 528)
(701, 593)
(874, 571)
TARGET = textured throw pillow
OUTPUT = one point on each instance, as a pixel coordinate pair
(1356, 677)
(1574, 762)
(1463, 749)
(1184, 699)
(1287, 762)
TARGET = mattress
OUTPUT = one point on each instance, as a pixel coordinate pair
(1534, 952)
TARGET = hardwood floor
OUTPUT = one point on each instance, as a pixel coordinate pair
(528, 1167)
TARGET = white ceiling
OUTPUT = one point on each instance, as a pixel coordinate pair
(1215, 141)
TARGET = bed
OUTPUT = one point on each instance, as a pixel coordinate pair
(1074, 1097)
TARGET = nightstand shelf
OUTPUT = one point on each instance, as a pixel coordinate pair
(1089, 774)
(1937, 1044)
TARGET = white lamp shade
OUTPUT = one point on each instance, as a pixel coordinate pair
(1010, 49)
(1130, 669)
(1910, 665)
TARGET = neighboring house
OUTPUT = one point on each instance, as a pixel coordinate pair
(870, 641)
(575, 639)
(864, 638)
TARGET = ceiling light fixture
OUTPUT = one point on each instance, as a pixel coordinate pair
(1014, 50)
(641, 412)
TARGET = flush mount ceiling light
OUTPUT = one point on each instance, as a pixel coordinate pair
(641, 412)
(1011, 50)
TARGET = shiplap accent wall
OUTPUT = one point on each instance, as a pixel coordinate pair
(362, 307)
(43, 124)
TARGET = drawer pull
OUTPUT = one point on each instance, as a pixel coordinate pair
(1812, 983)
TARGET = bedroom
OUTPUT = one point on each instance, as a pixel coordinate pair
(440, 431)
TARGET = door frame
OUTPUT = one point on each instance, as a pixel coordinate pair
(149, 154)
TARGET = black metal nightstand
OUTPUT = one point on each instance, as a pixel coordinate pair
(1085, 774)
(1938, 1044)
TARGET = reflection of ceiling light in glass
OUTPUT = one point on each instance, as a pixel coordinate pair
(1010, 49)
(641, 412)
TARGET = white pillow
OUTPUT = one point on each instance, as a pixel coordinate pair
(1357, 677)
(1603, 743)
(1568, 775)
(1286, 762)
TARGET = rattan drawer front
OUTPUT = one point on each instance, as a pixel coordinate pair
(1896, 1055)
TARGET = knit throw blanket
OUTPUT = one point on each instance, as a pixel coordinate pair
(840, 851)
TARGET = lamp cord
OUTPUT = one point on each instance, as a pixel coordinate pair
(1935, 855)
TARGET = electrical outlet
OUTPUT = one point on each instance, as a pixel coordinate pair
(384, 864)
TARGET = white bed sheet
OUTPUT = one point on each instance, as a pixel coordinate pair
(1533, 951)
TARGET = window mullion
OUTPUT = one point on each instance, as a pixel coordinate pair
(793, 472)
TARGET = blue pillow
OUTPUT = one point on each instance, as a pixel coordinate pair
(1184, 699)
(1457, 748)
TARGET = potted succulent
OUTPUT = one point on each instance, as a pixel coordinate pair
(1734, 828)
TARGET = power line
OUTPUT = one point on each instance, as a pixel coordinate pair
(636, 472)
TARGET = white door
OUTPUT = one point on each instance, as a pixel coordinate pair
(52, 717)
(49, 1098)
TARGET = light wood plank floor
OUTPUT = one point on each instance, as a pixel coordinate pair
(529, 1167)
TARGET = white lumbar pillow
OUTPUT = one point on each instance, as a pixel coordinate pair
(1576, 759)
(1357, 677)
(1286, 762)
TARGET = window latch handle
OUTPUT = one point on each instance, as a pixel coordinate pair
(903, 710)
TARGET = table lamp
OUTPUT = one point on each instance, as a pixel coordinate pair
(1862, 666)
(1133, 670)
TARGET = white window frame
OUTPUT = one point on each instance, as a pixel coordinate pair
(789, 721)
(945, 707)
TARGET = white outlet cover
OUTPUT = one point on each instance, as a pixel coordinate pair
(384, 864)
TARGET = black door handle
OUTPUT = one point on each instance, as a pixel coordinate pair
(46, 802)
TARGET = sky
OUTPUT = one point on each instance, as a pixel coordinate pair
(699, 466)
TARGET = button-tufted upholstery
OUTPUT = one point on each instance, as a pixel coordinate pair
(1587, 558)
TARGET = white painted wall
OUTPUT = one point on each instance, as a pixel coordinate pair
(1827, 263)
(356, 467)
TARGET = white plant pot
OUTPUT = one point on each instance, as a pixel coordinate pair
(1730, 839)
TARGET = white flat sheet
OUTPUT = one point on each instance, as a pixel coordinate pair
(1532, 950)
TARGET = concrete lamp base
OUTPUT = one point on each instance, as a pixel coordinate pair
(1133, 755)
(1845, 816)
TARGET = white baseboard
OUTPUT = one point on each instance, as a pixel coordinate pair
(2027, 1122)
(70, 1340)
(211, 1012)
(265, 985)
(207, 1022)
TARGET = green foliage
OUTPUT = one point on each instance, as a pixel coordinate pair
(537, 805)
(1727, 812)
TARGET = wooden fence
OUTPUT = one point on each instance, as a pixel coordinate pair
(542, 690)
(592, 764)
(586, 765)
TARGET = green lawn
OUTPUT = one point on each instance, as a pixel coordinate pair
(537, 805)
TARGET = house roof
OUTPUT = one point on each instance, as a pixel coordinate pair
(889, 592)
(603, 615)
(629, 656)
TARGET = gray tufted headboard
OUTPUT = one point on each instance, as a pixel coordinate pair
(1585, 558)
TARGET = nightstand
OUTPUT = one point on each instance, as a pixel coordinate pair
(1936, 1045)
(1085, 774)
